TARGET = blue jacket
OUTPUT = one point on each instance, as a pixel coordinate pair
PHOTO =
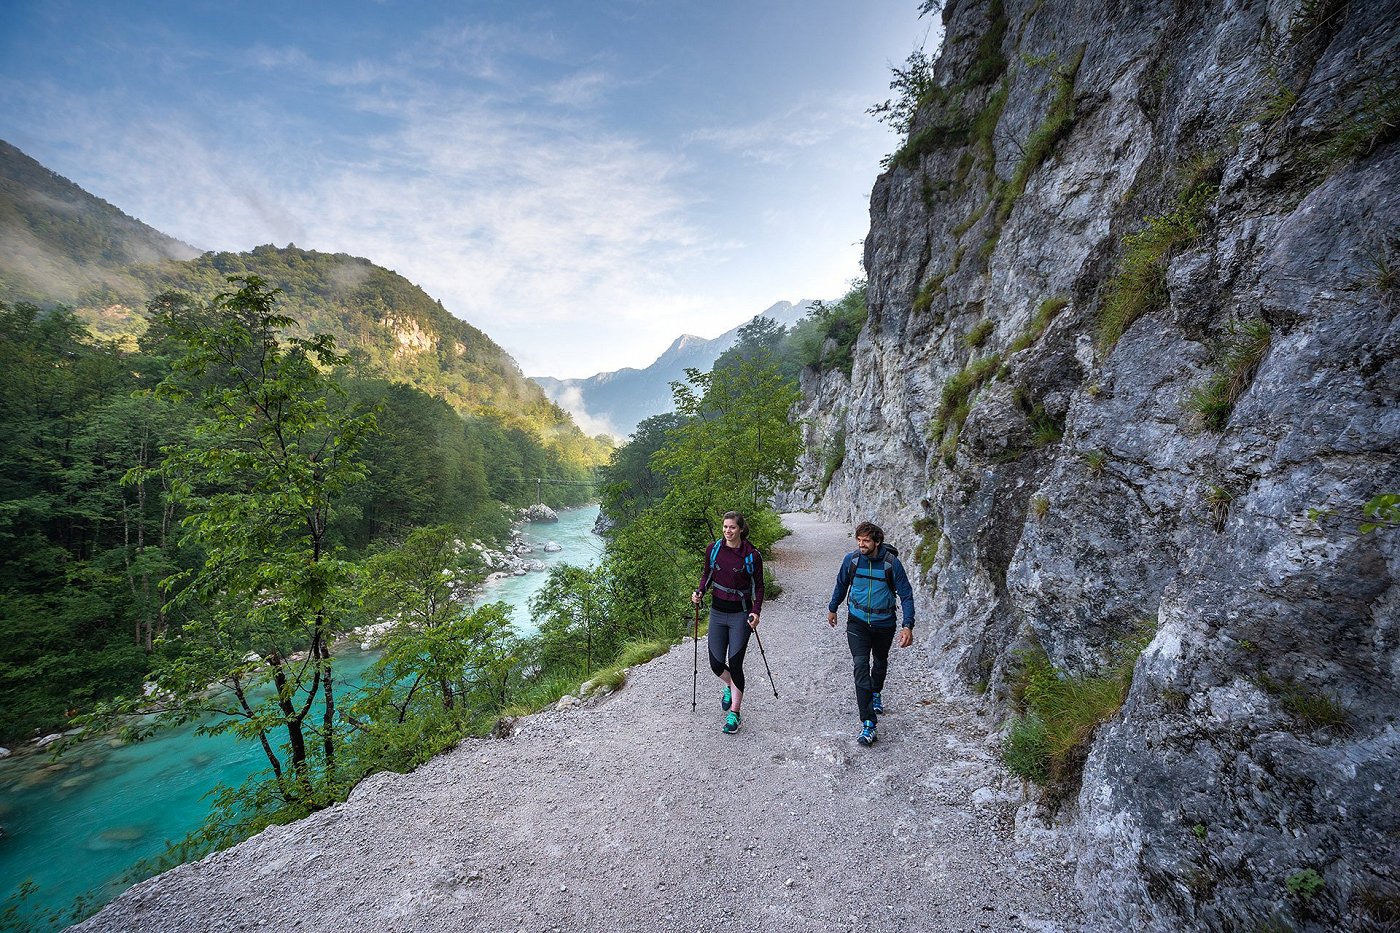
(863, 579)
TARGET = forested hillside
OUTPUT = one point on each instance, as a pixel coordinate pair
(93, 547)
(389, 326)
(60, 244)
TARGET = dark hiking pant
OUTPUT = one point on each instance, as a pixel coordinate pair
(729, 639)
(870, 650)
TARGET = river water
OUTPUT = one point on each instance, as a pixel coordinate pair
(79, 825)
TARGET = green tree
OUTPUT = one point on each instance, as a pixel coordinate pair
(577, 630)
(271, 455)
(421, 587)
(736, 449)
(629, 485)
(825, 339)
(64, 614)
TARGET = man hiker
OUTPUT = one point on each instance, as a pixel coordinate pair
(872, 577)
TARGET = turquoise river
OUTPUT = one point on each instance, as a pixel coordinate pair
(78, 825)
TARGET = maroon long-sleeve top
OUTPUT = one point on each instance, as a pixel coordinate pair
(736, 590)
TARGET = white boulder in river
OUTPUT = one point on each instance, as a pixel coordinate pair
(552, 546)
(541, 513)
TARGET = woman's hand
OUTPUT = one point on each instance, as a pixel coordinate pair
(695, 597)
(753, 621)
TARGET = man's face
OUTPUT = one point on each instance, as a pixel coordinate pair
(867, 545)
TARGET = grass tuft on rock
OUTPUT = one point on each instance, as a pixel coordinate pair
(1240, 351)
(1140, 284)
(1050, 736)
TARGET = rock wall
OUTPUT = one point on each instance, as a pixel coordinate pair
(1132, 290)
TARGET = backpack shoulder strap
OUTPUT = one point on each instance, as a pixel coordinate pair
(714, 555)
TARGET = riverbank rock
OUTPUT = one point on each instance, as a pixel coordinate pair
(541, 513)
(552, 547)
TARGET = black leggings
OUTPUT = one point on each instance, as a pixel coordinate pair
(729, 634)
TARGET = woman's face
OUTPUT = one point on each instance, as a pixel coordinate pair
(731, 531)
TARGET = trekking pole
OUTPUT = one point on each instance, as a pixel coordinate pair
(695, 674)
(764, 655)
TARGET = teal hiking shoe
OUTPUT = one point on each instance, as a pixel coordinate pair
(875, 703)
(726, 699)
(731, 722)
(867, 733)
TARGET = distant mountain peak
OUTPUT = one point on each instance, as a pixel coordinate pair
(615, 402)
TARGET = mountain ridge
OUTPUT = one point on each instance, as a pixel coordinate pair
(615, 402)
(67, 246)
(61, 243)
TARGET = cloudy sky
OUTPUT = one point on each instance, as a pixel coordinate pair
(584, 181)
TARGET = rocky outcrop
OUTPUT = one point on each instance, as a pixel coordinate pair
(540, 513)
(1132, 292)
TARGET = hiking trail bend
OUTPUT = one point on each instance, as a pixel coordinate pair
(633, 813)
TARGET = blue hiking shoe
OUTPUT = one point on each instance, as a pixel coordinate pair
(875, 703)
(731, 722)
(726, 699)
(867, 733)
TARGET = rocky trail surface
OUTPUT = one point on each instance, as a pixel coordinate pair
(633, 813)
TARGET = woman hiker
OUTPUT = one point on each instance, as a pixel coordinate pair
(734, 568)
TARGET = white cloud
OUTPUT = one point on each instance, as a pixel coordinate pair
(497, 186)
(570, 399)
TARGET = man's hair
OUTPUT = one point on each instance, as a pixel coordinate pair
(743, 525)
(870, 530)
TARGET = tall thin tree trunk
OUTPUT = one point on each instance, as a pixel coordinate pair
(328, 723)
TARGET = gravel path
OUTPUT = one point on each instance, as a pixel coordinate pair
(633, 813)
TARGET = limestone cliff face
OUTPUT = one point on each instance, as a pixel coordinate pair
(1132, 290)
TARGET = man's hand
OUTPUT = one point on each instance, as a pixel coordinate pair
(906, 636)
(831, 619)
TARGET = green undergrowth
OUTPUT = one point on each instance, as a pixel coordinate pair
(1059, 120)
(923, 301)
(989, 63)
(974, 338)
(926, 551)
(950, 124)
(1045, 430)
(1311, 710)
(1375, 122)
(1057, 714)
(1139, 286)
(614, 676)
(1240, 351)
(1314, 17)
(835, 455)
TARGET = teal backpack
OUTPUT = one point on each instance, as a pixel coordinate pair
(876, 601)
